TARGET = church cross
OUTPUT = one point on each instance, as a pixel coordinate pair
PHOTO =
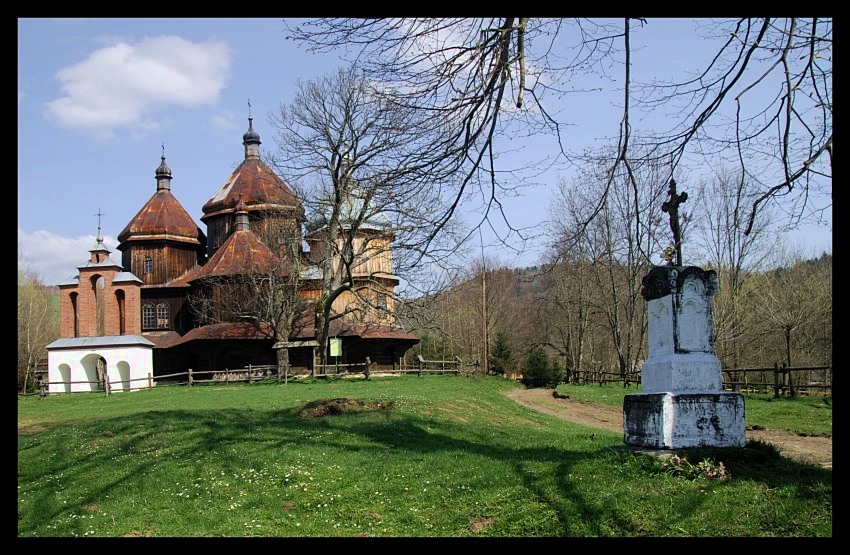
(99, 235)
(672, 207)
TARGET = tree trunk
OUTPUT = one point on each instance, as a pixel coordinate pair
(283, 363)
(791, 386)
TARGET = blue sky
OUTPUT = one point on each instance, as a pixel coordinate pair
(98, 98)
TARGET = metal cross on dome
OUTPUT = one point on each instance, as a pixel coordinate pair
(99, 214)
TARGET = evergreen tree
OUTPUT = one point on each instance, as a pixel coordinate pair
(537, 371)
(501, 356)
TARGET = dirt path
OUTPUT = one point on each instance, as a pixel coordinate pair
(810, 449)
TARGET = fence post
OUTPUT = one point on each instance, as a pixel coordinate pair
(150, 381)
(775, 380)
(106, 386)
(420, 363)
(249, 375)
(366, 372)
(190, 377)
(792, 385)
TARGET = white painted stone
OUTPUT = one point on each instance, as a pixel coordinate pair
(670, 421)
(682, 373)
(682, 404)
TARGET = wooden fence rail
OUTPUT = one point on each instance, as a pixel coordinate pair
(778, 378)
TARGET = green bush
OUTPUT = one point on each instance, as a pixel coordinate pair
(537, 371)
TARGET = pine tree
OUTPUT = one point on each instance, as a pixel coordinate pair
(501, 356)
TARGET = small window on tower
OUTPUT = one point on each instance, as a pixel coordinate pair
(148, 265)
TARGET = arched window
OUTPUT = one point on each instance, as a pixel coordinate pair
(148, 317)
(119, 296)
(98, 284)
(162, 316)
(76, 314)
(148, 265)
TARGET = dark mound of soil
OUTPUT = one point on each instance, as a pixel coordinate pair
(342, 405)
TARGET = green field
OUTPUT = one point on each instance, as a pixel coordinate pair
(430, 456)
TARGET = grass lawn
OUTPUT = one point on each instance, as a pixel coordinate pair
(430, 456)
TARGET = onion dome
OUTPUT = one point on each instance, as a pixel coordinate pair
(162, 216)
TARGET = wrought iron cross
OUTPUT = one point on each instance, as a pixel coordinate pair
(99, 236)
(672, 207)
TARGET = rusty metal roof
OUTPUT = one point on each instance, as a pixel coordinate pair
(259, 187)
(305, 328)
(241, 253)
(162, 339)
(217, 332)
(163, 217)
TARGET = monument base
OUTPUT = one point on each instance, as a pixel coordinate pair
(679, 420)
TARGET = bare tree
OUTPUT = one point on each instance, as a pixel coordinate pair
(720, 235)
(565, 308)
(38, 322)
(761, 96)
(361, 162)
(264, 290)
(793, 296)
(613, 252)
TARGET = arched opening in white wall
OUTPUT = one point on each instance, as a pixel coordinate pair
(90, 370)
(65, 377)
(124, 377)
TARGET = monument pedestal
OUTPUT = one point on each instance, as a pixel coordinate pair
(682, 404)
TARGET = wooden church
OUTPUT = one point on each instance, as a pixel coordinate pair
(168, 306)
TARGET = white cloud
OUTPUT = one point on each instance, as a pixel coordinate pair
(223, 120)
(54, 258)
(118, 86)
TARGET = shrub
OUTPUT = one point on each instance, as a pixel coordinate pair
(537, 371)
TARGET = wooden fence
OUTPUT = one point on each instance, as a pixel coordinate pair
(778, 379)
(601, 377)
(106, 386)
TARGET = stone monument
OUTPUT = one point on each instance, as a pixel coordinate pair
(682, 403)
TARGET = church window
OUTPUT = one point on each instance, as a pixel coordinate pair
(148, 317)
(148, 265)
(162, 316)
